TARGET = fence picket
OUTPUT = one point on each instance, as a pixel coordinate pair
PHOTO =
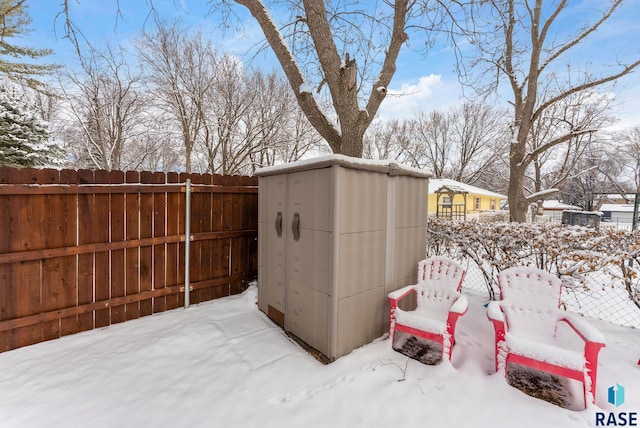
(102, 277)
(117, 256)
(87, 218)
(54, 269)
(146, 252)
(8, 224)
(159, 251)
(67, 288)
(132, 255)
(173, 250)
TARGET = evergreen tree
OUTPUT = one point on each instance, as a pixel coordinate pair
(23, 134)
(18, 62)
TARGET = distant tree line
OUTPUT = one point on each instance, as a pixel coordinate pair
(176, 103)
(470, 143)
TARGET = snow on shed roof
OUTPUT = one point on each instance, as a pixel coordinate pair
(437, 183)
(385, 166)
(554, 204)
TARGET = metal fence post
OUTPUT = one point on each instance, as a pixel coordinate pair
(636, 203)
(187, 241)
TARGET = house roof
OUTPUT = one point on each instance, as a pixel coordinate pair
(554, 204)
(437, 183)
(620, 208)
(628, 196)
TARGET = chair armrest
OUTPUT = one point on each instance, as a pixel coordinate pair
(586, 331)
(496, 316)
(394, 297)
(460, 306)
(401, 293)
(494, 312)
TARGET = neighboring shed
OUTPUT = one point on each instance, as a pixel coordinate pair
(553, 209)
(617, 213)
(582, 218)
(453, 199)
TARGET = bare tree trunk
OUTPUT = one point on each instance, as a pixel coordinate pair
(524, 52)
(517, 201)
(339, 75)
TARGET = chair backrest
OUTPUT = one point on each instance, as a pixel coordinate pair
(530, 299)
(435, 298)
(443, 270)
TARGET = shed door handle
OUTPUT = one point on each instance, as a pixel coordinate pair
(295, 227)
(279, 224)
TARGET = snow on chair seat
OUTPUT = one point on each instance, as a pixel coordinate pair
(546, 352)
(439, 304)
(526, 323)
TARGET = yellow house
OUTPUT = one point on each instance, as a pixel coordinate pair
(456, 200)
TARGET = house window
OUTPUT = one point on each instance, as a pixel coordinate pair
(446, 200)
(476, 204)
(493, 204)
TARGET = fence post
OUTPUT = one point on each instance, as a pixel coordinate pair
(636, 204)
(187, 241)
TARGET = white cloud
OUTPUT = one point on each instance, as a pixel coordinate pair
(427, 93)
(627, 106)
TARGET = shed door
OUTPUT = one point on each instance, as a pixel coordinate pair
(308, 257)
(272, 236)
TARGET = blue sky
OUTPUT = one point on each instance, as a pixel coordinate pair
(431, 82)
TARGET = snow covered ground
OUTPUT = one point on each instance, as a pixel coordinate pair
(224, 364)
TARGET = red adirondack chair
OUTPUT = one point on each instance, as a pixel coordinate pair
(439, 304)
(526, 322)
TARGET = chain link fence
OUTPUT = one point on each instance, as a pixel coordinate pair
(601, 297)
(600, 268)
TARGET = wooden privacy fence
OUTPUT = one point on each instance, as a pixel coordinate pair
(86, 249)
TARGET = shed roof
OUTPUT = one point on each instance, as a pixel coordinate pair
(384, 166)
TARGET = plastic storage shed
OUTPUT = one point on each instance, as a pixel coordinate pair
(336, 235)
